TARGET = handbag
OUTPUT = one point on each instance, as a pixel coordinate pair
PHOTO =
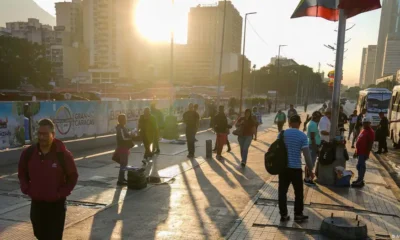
(239, 129)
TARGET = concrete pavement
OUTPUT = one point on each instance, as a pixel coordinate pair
(199, 198)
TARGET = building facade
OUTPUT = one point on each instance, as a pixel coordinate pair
(369, 67)
(389, 24)
(70, 16)
(391, 58)
(362, 71)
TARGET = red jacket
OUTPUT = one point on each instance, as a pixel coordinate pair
(43, 178)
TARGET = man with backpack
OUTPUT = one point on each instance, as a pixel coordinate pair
(296, 142)
(47, 174)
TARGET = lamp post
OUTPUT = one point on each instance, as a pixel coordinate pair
(279, 66)
(243, 59)
(221, 56)
(171, 76)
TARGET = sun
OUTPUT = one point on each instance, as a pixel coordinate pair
(155, 19)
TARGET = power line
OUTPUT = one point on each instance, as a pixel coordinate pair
(259, 36)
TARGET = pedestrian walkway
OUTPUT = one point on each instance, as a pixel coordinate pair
(375, 204)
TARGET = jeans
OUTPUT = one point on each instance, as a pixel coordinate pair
(48, 219)
(294, 177)
(244, 143)
(314, 155)
(191, 138)
(280, 126)
(351, 129)
(361, 167)
(382, 144)
(147, 142)
(123, 163)
(355, 135)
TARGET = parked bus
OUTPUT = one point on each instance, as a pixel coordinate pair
(375, 100)
(393, 115)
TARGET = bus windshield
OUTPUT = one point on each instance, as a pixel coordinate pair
(378, 102)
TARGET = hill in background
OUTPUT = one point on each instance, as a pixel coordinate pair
(21, 10)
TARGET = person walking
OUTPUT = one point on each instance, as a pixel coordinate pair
(196, 109)
(314, 142)
(124, 144)
(364, 144)
(191, 120)
(47, 174)
(353, 120)
(148, 130)
(358, 126)
(296, 142)
(292, 111)
(160, 126)
(342, 118)
(324, 126)
(258, 118)
(280, 120)
(248, 126)
(221, 129)
(382, 133)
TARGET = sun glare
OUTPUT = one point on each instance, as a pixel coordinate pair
(155, 19)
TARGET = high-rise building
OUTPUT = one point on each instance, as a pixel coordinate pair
(390, 23)
(70, 16)
(109, 35)
(391, 58)
(362, 71)
(369, 66)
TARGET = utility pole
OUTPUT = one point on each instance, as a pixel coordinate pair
(279, 66)
(243, 60)
(222, 56)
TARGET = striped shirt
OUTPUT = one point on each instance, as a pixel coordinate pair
(295, 141)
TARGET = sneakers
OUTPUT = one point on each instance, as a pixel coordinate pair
(300, 218)
(358, 184)
(243, 165)
(309, 182)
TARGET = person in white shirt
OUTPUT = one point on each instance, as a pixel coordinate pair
(324, 126)
(353, 121)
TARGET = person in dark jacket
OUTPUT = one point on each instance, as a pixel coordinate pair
(160, 124)
(248, 125)
(221, 129)
(382, 133)
(147, 129)
(124, 144)
(191, 119)
(47, 174)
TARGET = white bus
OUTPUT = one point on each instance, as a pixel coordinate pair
(393, 115)
(375, 100)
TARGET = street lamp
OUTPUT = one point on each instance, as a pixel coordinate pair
(222, 56)
(279, 66)
(243, 59)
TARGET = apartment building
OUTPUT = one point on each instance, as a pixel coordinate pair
(70, 16)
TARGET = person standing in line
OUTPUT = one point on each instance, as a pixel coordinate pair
(248, 126)
(364, 144)
(160, 126)
(342, 118)
(292, 111)
(221, 129)
(280, 120)
(353, 121)
(314, 141)
(296, 143)
(324, 126)
(147, 129)
(258, 119)
(124, 144)
(382, 133)
(358, 126)
(47, 174)
(191, 120)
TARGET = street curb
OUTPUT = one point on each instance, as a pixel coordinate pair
(390, 176)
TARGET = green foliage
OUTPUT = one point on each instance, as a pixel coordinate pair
(22, 61)
(388, 84)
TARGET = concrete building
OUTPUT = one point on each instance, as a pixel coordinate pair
(32, 30)
(109, 38)
(391, 58)
(369, 66)
(70, 16)
(283, 62)
(387, 78)
(5, 32)
(362, 71)
(389, 23)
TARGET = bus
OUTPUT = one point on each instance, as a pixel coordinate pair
(393, 115)
(374, 100)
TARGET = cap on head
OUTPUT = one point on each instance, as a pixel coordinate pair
(316, 114)
(366, 120)
(295, 119)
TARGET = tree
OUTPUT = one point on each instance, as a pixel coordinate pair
(22, 61)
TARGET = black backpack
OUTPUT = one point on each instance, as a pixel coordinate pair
(276, 159)
(327, 154)
(28, 155)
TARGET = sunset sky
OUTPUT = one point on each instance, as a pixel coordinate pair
(271, 26)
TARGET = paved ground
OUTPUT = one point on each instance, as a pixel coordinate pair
(200, 198)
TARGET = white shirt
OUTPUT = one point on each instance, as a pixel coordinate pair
(324, 125)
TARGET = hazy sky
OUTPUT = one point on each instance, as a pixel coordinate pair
(271, 26)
